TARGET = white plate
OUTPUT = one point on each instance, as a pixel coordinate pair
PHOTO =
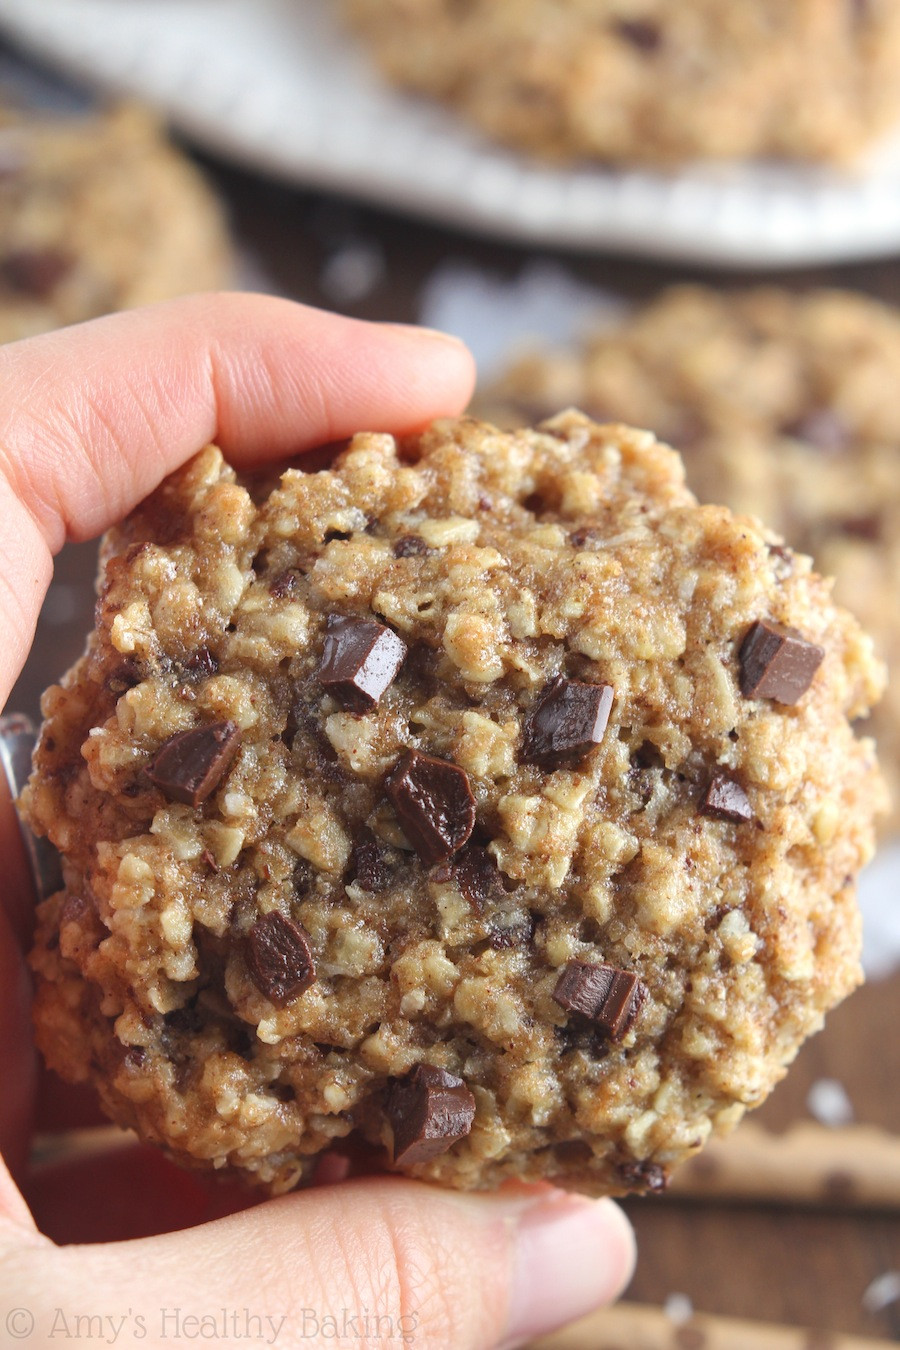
(277, 85)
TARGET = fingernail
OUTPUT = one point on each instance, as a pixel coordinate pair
(571, 1255)
(413, 330)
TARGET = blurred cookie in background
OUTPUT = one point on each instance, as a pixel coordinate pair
(784, 406)
(649, 82)
(99, 212)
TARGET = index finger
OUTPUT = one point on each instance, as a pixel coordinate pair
(92, 418)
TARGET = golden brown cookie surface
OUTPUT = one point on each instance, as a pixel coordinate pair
(782, 406)
(482, 795)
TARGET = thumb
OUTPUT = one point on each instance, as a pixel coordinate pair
(370, 1262)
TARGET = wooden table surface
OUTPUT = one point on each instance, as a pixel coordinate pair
(809, 1268)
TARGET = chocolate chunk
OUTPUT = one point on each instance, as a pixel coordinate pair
(608, 996)
(476, 874)
(821, 428)
(725, 799)
(360, 660)
(191, 765)
(369, 865)
(566, 723)
(434, 804)
(641, 34)
(643, 1176)
(411, 546)
(279, 958)
(34, 272)
(777, 662)
(428, 1110)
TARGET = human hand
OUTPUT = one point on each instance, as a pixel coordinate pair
(91, 419)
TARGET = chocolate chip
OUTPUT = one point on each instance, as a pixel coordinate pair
(607, 996)
(191, 765)
(643, 1176)
(777, 662)
(476, 874)
(369, 865)
(641, 34)
(360, 660)
(279, 958)
(566, 723)
(822, 428)
(34, 272)
(411, 546)
(725, 799)
(434, 804)
(429, 1111)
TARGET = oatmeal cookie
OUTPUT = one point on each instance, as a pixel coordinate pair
(99, 213)
(481, 797)
(647, 81)
(782, 406)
